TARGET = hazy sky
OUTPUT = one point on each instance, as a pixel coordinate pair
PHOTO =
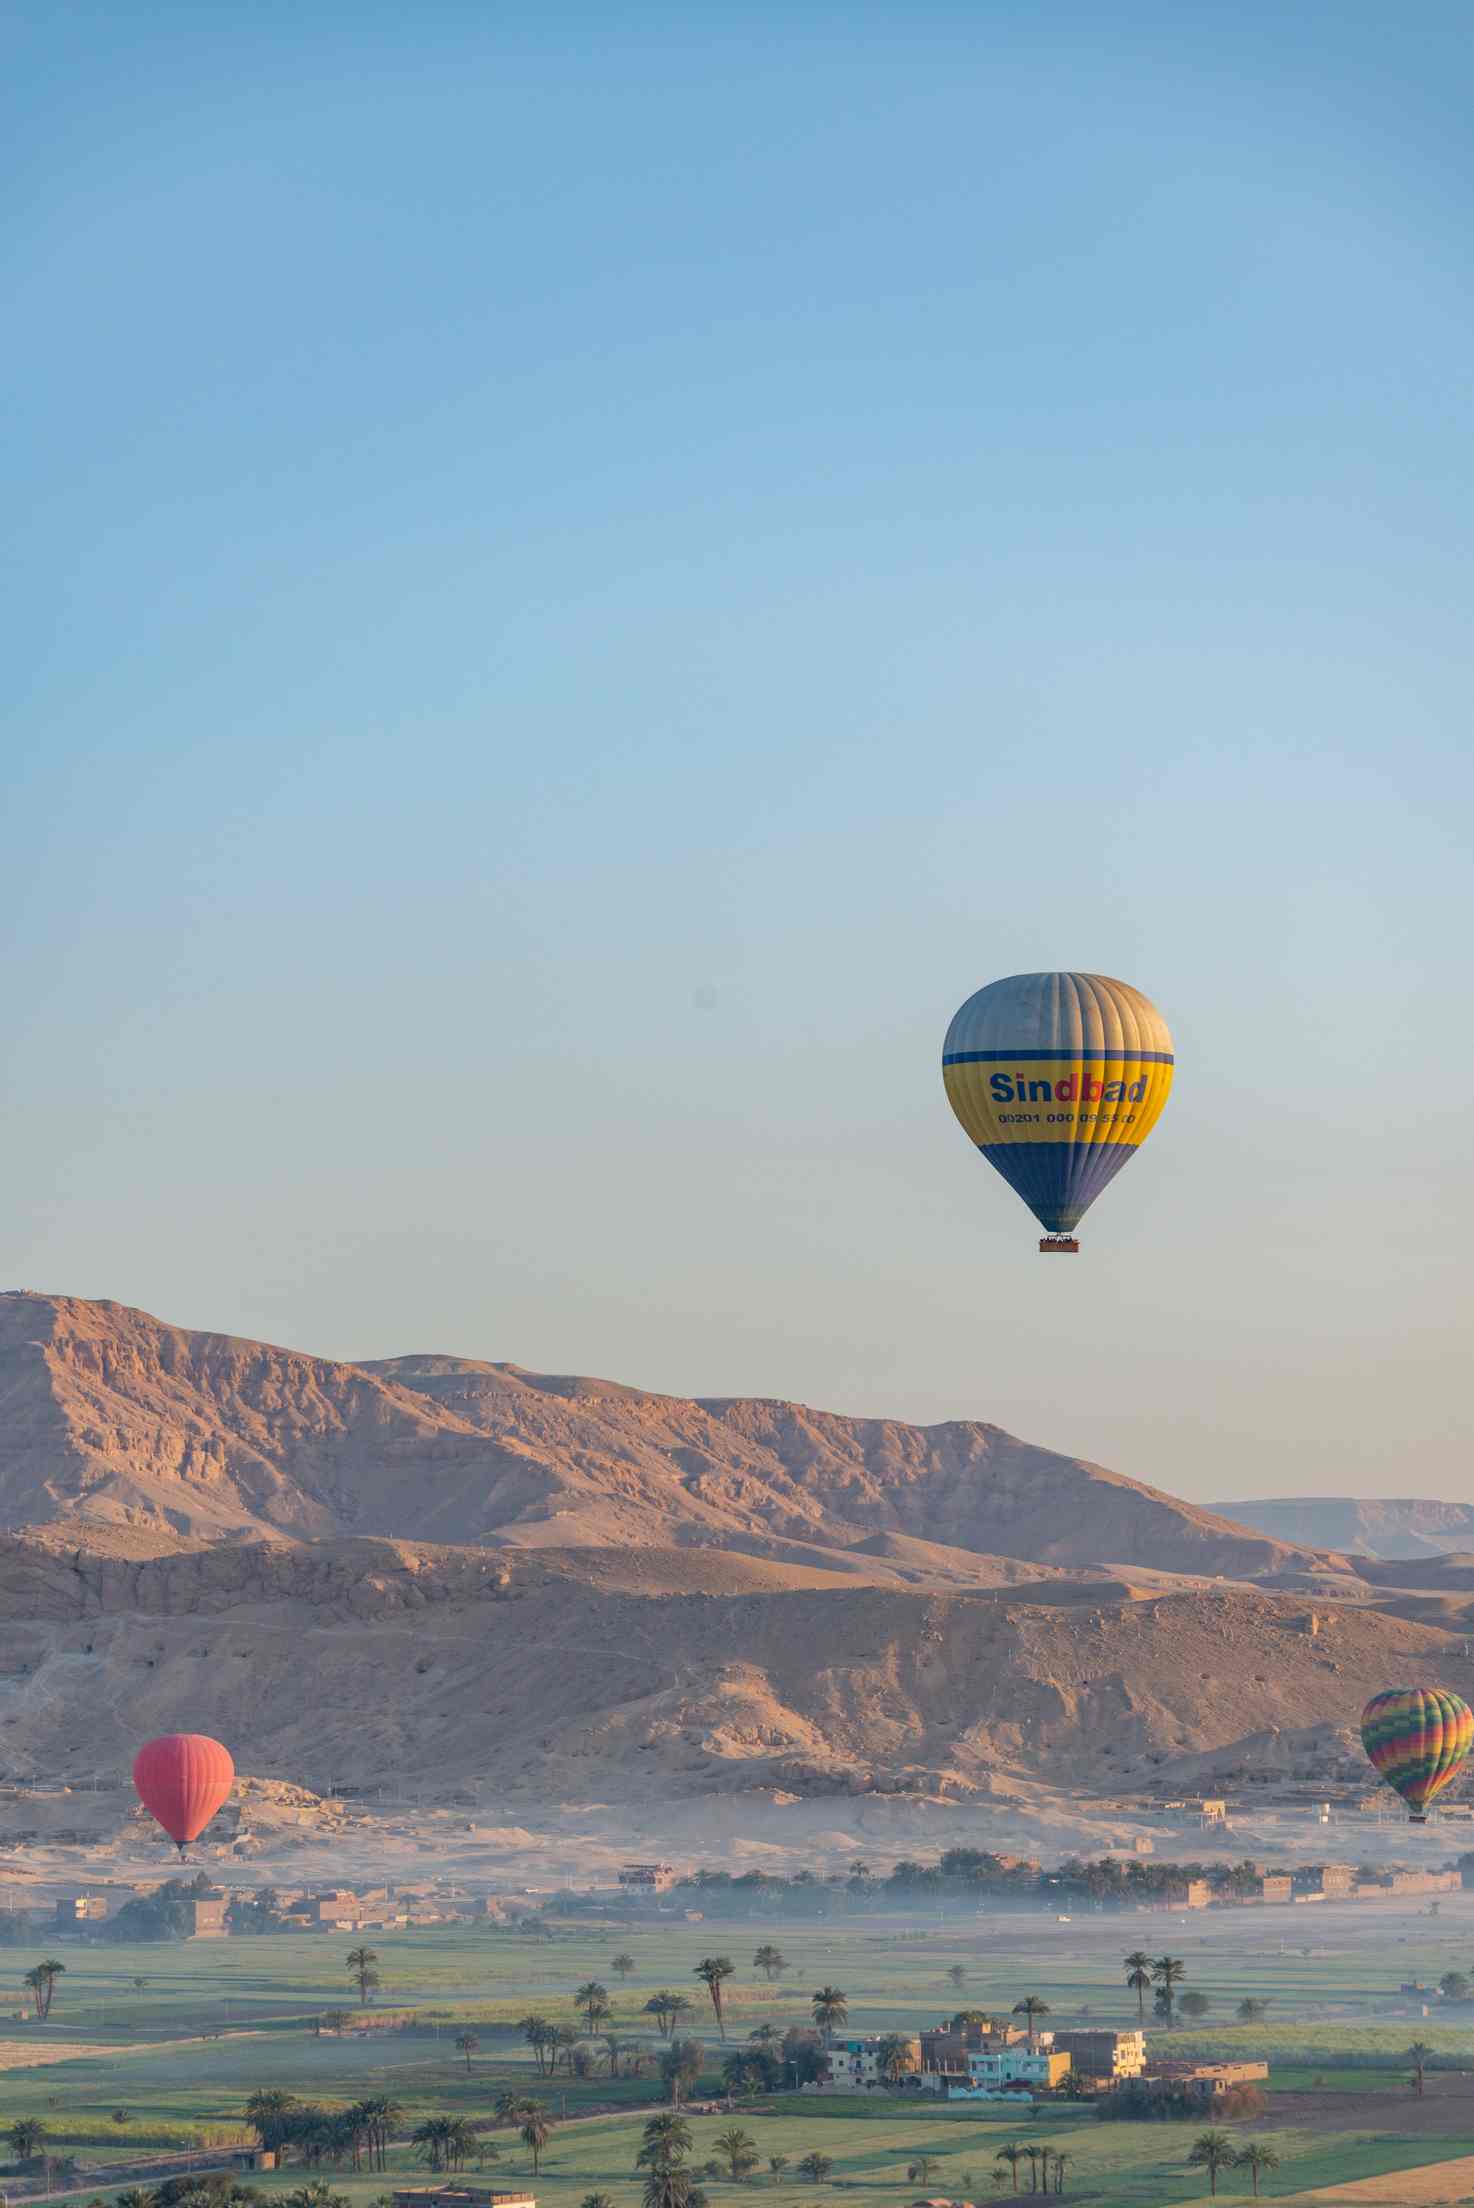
(587, 574)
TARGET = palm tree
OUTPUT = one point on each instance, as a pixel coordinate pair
(661, 2007)
(621, 1966)
(382, 2114)
(680, 2067)
(360, 1963)
(535, 2131)
(1250, 2011)
(672, 2187)
(1168, 1971)
(739, 2149)
(765, 2035)
(1418, 2054)
(27, 2135)
(829, 2008)
(714, 1971)
(596, 2200)
(461, 2141)
(665, 2139)
(771, 1961)
(816, 2167)
(1254, 2158)
(593, 1999)
(777, 2164)
(1139, 1978)
(267, 2112)
(467, 2044)
(42, 1982)
(1061, 2161)
(1212, 2151)
(1030, 2009)
(894, 2058)
(1032, 2154)
(318, 2194)
(136, 2196)
(1012, 2153)
(429, 2141)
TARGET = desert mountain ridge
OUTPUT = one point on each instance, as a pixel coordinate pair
(110, 1417)
(535, 1676)
(1390, 1526)
(545, 1589)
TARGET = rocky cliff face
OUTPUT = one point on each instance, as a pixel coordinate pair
(109, 1415)
(540, 1677)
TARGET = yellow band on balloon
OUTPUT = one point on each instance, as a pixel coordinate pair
(1001, 1098)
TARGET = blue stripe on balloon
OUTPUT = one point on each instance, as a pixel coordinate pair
(1061, 1056)
(1059, 1181)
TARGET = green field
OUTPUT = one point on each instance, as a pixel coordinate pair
(213, 2020)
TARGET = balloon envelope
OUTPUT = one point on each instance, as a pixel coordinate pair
(1058, 1079)
(1417, 1739)
(182, 1779)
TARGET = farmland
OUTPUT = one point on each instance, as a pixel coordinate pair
(177, 2035)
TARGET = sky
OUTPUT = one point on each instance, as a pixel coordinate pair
(587, 574)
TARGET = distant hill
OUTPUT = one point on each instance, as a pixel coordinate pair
(1387, 1526)
(107, 1414)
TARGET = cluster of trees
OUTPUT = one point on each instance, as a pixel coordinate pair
(670, 2182)
(164, 1914)
(1109, 1881)
(1214, 2151)
(1161, 1975)
(258, 1912)
(1140, 2104)
(40, 1982)
(358, 2135)
(1047, 2165)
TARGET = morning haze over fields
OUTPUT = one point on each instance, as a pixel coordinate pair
(683, 679)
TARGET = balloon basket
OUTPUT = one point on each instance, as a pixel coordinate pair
(1063, 1242)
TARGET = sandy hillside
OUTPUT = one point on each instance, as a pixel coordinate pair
(550, 1677)
(109, 1414)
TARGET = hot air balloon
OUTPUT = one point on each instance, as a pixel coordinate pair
(1058, 1079)
(182, 1779)
(1417, 1738)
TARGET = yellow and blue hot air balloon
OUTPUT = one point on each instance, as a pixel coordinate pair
(1058, 1079)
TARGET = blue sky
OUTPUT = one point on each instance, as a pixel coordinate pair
(588, 574)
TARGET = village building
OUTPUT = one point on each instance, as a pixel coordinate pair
(1204, 2081)
(852, 2064)
(1105, 2057)
(73, 1909)
(1002, 2073)
(460, 2195)
(648, 1878)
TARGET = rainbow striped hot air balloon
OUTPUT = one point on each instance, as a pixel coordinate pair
(1058, 1079)
(1417, 1739)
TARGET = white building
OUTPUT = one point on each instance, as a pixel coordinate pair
(1003, 2073)
(854, 2064)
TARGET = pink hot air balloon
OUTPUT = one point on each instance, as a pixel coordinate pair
(182, 1779)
